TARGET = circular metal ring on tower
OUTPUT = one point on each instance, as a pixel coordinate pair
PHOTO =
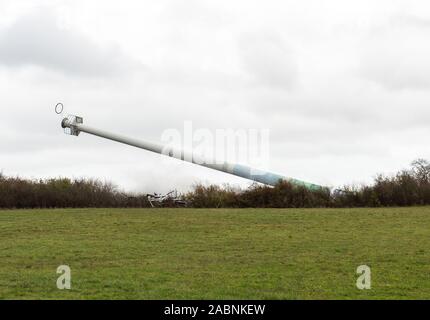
(59, 108)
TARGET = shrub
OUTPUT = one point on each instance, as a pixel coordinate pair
(406, 188)
(63, 192)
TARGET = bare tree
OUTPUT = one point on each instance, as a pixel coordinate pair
(421, 169)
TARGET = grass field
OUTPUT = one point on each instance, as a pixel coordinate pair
(215, 253)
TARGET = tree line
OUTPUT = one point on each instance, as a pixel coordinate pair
(409, 187)
(406, 188)
(16, 192)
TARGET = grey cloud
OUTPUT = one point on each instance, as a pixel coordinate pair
(396, 56)
(409, 21)
(38, 40)
(195, 12)
(268, 60)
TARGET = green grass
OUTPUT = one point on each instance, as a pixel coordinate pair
(215, 253)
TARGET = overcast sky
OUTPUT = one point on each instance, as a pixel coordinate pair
(343, 86)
